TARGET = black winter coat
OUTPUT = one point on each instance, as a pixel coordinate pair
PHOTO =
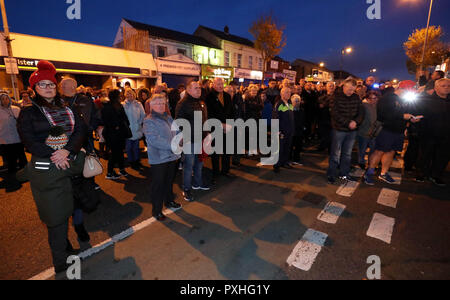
(34, 128)
(346, 109)
(116, 123)
(85, 107)
(218, 111)
(436, 112)
(390, 111)
(253, 108)
(187, 107)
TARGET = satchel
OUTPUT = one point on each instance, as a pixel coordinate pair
(375, 129)
(92, 166)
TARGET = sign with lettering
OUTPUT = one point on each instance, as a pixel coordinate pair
(180, 68)
(248, 74)
(214, 71)
(11, 66)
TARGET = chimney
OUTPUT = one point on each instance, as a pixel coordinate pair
(226, 30)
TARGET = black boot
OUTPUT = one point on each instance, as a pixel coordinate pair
(83, 235)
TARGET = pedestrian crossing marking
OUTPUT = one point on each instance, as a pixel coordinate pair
(306, 251)
(347, 189)
(388, 197)
(381, 227)
(331, 213)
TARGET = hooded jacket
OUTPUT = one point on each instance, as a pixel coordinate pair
(8, 123)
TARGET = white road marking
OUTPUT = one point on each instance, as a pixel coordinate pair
(347, 189)
(330, 214)
(381, 227)
(306, 251)
(388, 197)
(105, 244)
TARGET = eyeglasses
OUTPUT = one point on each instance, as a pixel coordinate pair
(44, 85)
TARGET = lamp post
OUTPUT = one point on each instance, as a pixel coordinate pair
(347, 50)
(426, 36)
(8, 45)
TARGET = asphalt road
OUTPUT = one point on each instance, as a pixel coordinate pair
(244, 228)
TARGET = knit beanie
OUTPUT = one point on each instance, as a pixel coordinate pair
(57, 138)
(46, 71)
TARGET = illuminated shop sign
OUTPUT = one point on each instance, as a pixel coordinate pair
(222, 72)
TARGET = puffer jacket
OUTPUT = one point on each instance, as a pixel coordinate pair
(159, 135)
(136, 115)
(8, 124)
(344, 110)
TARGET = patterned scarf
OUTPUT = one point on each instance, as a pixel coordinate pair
(62, 117)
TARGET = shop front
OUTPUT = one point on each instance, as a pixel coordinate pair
(247, 76)
(177, 69)
(211, 72)
(91, 65)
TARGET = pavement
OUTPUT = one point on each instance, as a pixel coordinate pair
(259, 225)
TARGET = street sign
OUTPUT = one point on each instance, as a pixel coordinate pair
(11, 66)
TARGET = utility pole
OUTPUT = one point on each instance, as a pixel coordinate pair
(8, 45)
(426, 36)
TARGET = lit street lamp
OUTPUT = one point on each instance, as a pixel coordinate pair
(373, 70)
(344, 51)
(322, 64)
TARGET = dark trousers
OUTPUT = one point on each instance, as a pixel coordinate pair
(216, 158)
(116, 155)
(285, 150)
(163, 176)
(412, 153)
(434, 156)
(296, 148)
(14, 154)
(57, 239)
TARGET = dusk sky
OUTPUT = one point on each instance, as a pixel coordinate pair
(315, 30)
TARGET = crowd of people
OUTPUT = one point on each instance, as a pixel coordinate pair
(58, 123)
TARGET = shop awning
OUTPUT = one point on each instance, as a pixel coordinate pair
(74, 57)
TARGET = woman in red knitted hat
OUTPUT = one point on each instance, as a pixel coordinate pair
(34, 125)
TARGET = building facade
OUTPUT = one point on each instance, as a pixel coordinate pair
(238, 53)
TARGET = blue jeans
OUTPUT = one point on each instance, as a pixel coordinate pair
(363, 144)
(132, 148)
(341, 152)
(191, 164)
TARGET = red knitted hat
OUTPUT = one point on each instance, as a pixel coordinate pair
(46, 71)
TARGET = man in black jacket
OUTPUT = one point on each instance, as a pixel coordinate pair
(434, 134)
(346, 115)
(325, 102)
(185, 109)
(221, 108)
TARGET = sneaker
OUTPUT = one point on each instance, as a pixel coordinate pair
(387, 178)
(173, 204)
(112, 176)
(123, 173)
(331, 180)
(296, 163)
(420, 179)
(203, 188)
(188, 196)
(96, 187)
(349, 178)
(437, 181)
(368, 179)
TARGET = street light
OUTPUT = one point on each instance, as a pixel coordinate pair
(347, 50)
(322, 64)
(373, 70)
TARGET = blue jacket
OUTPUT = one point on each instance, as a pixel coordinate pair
(158, 133)
(135, 114)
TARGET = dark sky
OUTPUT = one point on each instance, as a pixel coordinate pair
(316, 30)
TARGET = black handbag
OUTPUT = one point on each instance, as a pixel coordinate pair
(375, 129)
(85, 195)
